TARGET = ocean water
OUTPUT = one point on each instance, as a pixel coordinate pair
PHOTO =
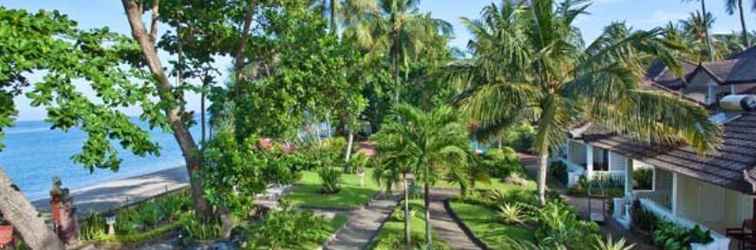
(34, 154)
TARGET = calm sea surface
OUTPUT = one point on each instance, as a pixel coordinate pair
(34, 154)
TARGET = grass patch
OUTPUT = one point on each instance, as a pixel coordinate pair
(352, 195)
(492, 184)
(391, 236)
(482, 222)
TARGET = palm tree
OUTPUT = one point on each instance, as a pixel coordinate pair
(390, 168)
(531, 59)
(730, 6)
(430, 143)
(343, 12)
(705, 15)
(399, 28)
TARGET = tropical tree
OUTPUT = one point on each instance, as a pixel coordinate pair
(343, 12)
(398, 28)
(391, 167)
(531, 59)
(430, 143)
(706, 18)
(730, 7)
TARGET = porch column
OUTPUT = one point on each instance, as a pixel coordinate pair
(629, 165)
(675, 195)
(589, 161)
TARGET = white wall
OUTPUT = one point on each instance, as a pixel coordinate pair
(712, 205)
(617, 162)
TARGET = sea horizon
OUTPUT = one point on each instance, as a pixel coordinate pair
(34, 154)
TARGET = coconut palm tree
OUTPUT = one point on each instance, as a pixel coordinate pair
(730, 7)
(707, 17)
(399, 28)
(531, 59)
(343, 12)
(431, 144)
(391, 167)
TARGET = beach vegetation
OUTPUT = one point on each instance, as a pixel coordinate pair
(289, 228)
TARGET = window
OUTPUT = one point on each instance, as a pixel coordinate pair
(600, 159)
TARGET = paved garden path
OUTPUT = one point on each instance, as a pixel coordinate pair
(364, 223)
(443, 224)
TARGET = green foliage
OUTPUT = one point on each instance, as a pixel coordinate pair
(520, 137)
(511, 213)
(288, 229)
(609, 244)
(148, 220)
(391, 236)
(501, 163)
(193, 229)
(331, 180)
(559, 225)
(643, 219)
(671, 236)
(49, 45)
(300, 71)
(358, 163)
(643, 179)
(233, 172)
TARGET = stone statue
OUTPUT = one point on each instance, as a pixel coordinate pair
(65, 223)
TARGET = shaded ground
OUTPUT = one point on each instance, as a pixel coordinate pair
(117, 193)
(364, 223)
(446, 228)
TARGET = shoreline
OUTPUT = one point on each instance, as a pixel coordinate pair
(116, 193)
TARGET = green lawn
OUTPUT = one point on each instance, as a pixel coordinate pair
(391, 236)
(492, 184)
(352, 194)
(482, 221)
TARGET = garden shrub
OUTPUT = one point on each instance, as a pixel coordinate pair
(643, 179)
(520, 137)
(643, 219)
(501, 163)
(671, 236)
(192, 229)
(511, 213)
(331, 179)
(287, 229)
(559, 225)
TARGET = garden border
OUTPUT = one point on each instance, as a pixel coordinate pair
(479, 243)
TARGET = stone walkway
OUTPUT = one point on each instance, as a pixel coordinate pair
(364, 223)
(443, 224)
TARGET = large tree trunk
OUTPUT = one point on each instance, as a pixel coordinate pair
(407, 219)
(746, 42)
(17, 210)
(334, 27)
(174, 114)
(543, 169)
(428, 237)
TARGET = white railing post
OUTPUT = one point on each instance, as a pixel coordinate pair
(589, 161)
(675, 194)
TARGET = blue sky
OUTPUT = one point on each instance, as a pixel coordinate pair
(641, 14)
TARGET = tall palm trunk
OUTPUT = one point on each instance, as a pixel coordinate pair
(186, 142)
(746, 41)
(407, 219)
(542, 171)
(706, 31)
(17, 210)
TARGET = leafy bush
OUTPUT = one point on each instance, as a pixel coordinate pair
(501, 163)
(643, 219)
(193, 229)
(357, 163)
(559, 225)
(609, 244)
(287, 229)
(673, 237)
(643, 179)
(331, 179)
(520, 137)
(558, 170)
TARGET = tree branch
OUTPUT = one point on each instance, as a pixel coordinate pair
(239, 58)
(155, 17)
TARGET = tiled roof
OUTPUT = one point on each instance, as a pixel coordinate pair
(668, 79)
(738, 69)
(730, 166)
